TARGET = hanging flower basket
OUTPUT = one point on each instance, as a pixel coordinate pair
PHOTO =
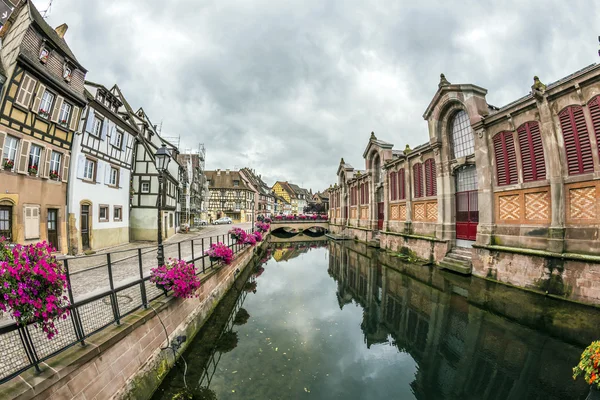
(589, 368)
(220, 252)
(176, 275)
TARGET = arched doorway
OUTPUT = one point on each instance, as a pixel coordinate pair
(378, 190)
(467, 208)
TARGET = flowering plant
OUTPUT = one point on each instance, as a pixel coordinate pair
(263, 227)
(53, 174)
(43, 113)
(8, 163)
(589, 366)
(177, 275)
(220, 251)
(33, 169)
(302, 216)
(33, 285)
(257, 236)
(250, 239)
(236, 233)
(279, 217)
(290, 217)
(267, 220)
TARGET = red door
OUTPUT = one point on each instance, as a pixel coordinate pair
(380, 216)
(467, 215)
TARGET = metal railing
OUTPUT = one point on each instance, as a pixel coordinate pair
(127, 289)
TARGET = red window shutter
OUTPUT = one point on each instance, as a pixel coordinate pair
(430, 178)
(506, 159)
(532, 152)
(402, 191)
(418, 179)
(594, 107)
(577, 140)
(392, 186)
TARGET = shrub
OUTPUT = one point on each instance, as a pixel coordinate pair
(589, 365)
(176, 275)
(33, 285)
(221, 252)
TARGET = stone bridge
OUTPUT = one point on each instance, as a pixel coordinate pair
(299, 226)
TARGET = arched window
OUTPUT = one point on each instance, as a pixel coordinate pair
(577, 140)
(462, 135)
(594, 107)
(393, 183)
(376, 169)
(506, 159)
(418, 179)
(430, 178)
(532, 152)
(401, 185)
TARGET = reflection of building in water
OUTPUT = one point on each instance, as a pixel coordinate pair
(285, 251)
(462, 350)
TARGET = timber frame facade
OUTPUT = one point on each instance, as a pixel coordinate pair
(230, 196)
(510, 193)
(39, 116)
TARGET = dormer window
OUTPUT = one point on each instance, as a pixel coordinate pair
(44, 54)
(67, 72)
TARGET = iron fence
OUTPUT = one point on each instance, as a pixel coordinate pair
(102, 290)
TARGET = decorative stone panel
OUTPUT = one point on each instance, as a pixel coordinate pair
(364, 212)
(582, 202)
(353, 213)
(402, 212)
(526, 206)
(395, 214)
(425, 211)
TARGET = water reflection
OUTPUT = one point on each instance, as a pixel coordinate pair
(457, 329)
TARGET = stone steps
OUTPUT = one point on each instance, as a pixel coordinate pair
(458, 260)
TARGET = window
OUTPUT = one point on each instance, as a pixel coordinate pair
(532, 152)
(418, 180)
(65, 113)
(118, 213)
(35, 153)
(145, 187)
(32, 222)
(430, 178)
(393, 183)
(103, 213)
(89, 170)
(113, 179)
(6, 222)
(55, 165)
(236, 183)
(506, 160)
(46, 105)
(118, 139)
(223, 193)
(401, 185)
(9, 153)
(462, 135)
(170, 220)
(97, 130)
(577, 141)
(238, 206)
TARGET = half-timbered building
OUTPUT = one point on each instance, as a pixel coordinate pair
(145, 184)
(230, 196)
(100, 172)
(39, 115)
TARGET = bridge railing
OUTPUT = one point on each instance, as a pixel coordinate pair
(120, 285)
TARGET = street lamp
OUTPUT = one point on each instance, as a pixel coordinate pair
(252, 203)
(162, 158)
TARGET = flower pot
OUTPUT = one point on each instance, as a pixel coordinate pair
(213, 259)
(163, 288)
(594, 393)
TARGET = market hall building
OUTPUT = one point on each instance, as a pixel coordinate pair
(508, 193)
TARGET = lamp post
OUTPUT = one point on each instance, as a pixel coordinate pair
(252, 204)
(162, 158)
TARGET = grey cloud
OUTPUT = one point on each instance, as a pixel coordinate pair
(290, 87)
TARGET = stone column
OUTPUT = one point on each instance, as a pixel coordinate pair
(485, 195)
(408, 190)
(386, 200)
(553, 150)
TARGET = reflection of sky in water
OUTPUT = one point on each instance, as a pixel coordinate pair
(299, 344)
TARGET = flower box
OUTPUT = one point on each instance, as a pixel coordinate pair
(176, 275)
(220, 252)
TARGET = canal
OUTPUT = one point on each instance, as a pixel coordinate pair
(331, 320)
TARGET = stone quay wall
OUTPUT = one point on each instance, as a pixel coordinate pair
(126, 361)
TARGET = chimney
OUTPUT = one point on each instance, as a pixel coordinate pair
(227, 171)
(61, 30)
(218, 172)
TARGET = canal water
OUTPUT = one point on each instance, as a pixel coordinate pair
(331, 320)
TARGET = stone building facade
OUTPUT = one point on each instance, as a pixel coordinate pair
(510, 193)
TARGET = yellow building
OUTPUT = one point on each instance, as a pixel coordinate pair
(284, 190)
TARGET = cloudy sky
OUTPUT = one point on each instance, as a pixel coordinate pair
(289, 87)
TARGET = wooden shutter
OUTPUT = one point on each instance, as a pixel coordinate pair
(99, 170)
(104, 130)
(38, 98)
(418, 179)
(122, 178)
(430, 178)
(26, 90)
(107, 174)
(532, 152)
(24, 157)
(65, 167)
(594, 107)
(401, 185)
(506, 159)
(89, 126)
(74, 125)
(32, 222)
(2, 140)
(57, 106)
(45, 162)
(392, 178)
(577, 141)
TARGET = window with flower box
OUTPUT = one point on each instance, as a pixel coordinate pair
(35, 153)
(65, 113)
(55, 165)
(46, 105)
(9, 151)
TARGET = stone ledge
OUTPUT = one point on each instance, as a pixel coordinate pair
(412, 236)
(541, 253)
